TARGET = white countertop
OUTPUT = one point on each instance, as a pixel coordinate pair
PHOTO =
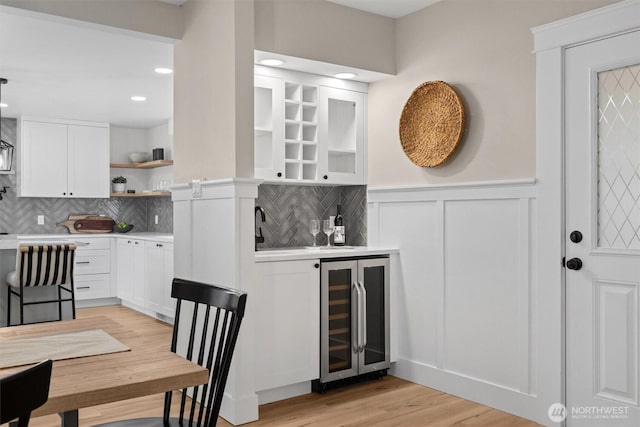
(321, 252)
(10, 241)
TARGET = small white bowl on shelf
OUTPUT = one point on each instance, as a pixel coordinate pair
(138, 157)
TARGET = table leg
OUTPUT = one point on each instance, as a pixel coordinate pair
(69, 418)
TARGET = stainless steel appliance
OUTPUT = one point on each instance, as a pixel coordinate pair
(354, 320)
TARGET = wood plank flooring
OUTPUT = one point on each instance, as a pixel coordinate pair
(389, 402)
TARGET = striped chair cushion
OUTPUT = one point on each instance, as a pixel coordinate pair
(44, 264)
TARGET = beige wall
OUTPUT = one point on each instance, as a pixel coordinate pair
(146, 16)
(213, 91)
(327, 32)
(483, 48)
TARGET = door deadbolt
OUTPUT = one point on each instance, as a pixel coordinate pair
(574, 264)
(575, 236)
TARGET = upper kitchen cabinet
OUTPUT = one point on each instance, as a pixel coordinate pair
(61, 158)
(308, 130)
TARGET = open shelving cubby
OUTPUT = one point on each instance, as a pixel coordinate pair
(301, 131)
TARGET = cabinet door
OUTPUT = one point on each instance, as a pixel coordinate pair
(268, 128)
(373, 278)
(43, 152)
(125, 269)
(341, 136)
(131, 271)
(288, 338)
(159, 267)
(88, 154)
(139, 271)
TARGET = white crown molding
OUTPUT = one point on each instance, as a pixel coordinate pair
(593, 25)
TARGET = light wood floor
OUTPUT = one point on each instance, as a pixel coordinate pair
(389, 402)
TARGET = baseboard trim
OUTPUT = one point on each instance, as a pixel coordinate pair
(284, 392)
(239, 411)
(495, 396)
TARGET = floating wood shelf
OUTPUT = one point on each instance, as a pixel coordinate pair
(145, 165)
(146, 194)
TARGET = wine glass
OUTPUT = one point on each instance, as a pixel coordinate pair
(314, 228)
(327, 227)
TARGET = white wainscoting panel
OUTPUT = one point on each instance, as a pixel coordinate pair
(462, 304)
(414, 228)
(481, 290)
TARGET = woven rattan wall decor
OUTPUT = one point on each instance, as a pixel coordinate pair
(431, 124)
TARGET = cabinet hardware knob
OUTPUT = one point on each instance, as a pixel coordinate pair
(316, 265)
(279, 174)
(325, 177)
(64, 194)
(574, 264)
(158, 245)
(71, 194)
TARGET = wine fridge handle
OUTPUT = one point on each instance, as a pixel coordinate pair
(355, 341)
(364, 317)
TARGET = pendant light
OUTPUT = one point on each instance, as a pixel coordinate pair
(6, 149)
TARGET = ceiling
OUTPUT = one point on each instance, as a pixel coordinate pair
(62, 69)
(390, 8)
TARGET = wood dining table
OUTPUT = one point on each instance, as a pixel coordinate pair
(87, 381)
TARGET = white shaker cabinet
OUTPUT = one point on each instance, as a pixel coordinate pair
(288, 341)
(159, 276)
(63, 158)
(92, 274)
(131, 271)
(308, 128)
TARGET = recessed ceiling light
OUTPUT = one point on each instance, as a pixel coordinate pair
(345, 75)
(138, 98)
(162, 70)
(272, 62)
(3, 105)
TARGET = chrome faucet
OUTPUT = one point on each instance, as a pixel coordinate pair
(263, 218)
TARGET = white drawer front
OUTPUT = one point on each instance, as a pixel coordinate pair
(89, 243)
(92, 286)
(91, 261)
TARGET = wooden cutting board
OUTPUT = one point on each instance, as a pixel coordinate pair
(88, 223)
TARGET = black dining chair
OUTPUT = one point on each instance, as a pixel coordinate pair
(40, 265)
(215, 314)
(24, 391)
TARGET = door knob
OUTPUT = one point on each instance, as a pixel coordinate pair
(574, 264)
(575, 236)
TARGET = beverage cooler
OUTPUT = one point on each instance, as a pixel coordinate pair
(354, 320)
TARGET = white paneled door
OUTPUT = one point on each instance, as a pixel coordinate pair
(603, 232)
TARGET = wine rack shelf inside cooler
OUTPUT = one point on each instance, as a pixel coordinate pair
(339, 326)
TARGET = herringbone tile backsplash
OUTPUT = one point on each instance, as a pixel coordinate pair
(18, 215)
(289, 208)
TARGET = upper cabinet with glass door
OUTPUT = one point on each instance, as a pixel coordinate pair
(307, 129)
